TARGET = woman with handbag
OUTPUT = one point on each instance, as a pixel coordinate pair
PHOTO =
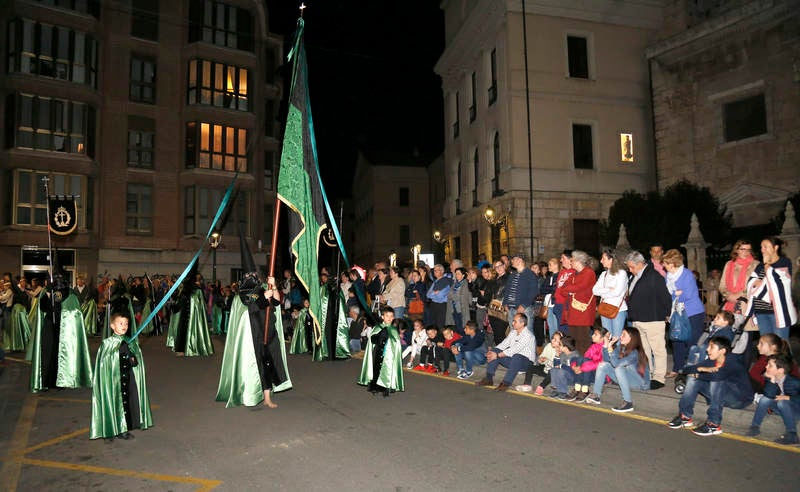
(683, 287)
(581, 307)
(611, 286)
(415, 295)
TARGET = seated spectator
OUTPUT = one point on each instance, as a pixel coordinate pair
(472, 350)
(585, 370)
(782, 396)
(561, 375)
(769, 344)
(722, 380)
(514, 353)
(452, 340)
(624, 363)
(418, 338)
(548, 359)
(430, 355)
(405, 335)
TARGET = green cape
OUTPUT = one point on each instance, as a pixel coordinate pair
(239, 380)
(17, 331)
(74, 364)
(298, 345)
(318, 339)
(89, 311)
(391, 375)
(108, 416)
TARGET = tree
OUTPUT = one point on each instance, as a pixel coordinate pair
(665, 218)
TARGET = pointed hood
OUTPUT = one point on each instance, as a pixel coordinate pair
(59, 275)
(250, 283)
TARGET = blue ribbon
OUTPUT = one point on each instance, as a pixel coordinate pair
(183, 275)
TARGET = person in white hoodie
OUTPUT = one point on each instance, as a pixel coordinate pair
(418, 339)
(611, 286)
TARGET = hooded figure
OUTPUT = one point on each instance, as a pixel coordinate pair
(191, 335)
(87, 297)
(59, 353)
(251, 368)
(119, 301)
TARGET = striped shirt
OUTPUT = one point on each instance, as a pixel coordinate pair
(518, 343)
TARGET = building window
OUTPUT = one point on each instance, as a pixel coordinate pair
(496, 158)
(210, 146)
(143, 80)
(578, 57)
(582, 154)
(141, 142)
(473, 245)
(403, 196)
(493, 74)
(626, 147)
(139, 209)
(456, 112)
(459, 182)
(30, 200)
(220, 24)
(473, 97)
(745, 118)
(456, 247)
(43, 123)
(269, 171)
(91, 7)
(51, 51)
(475, 168)
(217, 84)
(144, 19)
(201, 204)
(405, 235)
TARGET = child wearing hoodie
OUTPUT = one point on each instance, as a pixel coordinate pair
(585, 369)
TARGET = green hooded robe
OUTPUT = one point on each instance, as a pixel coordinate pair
(391, 371)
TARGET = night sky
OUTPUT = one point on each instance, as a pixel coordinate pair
(371, 78)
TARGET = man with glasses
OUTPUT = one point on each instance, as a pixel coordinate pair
(437, 294)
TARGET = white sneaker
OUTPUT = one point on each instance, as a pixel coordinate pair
(410, 365)
(527, 388)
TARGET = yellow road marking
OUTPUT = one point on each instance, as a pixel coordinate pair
(203, 483)
(608, 411)
(55, 440)
(9, 475)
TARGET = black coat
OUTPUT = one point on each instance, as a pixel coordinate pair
(650, 300)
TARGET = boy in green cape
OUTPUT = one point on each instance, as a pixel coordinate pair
(382, 368)
(120, 402)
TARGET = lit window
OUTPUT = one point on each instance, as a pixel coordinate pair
(220, 147)
(220, 85)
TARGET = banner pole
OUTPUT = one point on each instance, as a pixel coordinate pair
(271, 271)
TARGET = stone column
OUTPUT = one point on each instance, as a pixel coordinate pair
(791, 234)
(696, 249)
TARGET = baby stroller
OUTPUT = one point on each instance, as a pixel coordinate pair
(697, 353)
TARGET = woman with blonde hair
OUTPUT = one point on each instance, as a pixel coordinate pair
(683, 287)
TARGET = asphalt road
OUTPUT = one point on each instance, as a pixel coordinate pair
(330, 434)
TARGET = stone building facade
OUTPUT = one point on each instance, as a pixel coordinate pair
(588, 90)
(145, 109)
(726, 100)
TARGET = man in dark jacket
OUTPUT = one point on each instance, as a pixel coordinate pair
(649, 305)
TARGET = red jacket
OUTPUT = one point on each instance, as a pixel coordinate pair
(580, 286)
(449, 343)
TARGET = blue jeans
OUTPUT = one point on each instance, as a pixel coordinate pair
(787, 409)
(458, 319)
(399, 312)
(516, 363)
(553, 315)
(766, 324)
(467, 359)
(562, 378)
(355, 345)
(719, 393)
(615, 326)
(681, 349)
(627, 377)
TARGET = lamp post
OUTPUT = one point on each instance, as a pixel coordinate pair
(214, 241)
(500, 220)
(443, 241)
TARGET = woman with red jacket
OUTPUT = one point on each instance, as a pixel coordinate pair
(580, 303)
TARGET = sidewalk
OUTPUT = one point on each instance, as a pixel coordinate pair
(657, 406)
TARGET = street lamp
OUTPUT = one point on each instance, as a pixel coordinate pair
(496, 219)
(214, 241)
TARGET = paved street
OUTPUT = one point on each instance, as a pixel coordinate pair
(328, 433)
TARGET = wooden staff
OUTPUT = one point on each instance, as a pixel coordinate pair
(271, 270)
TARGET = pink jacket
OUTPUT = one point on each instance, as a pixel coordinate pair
(592, 358)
